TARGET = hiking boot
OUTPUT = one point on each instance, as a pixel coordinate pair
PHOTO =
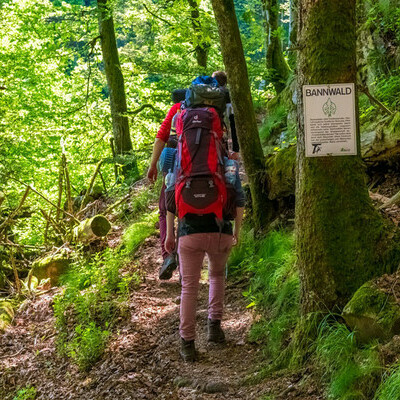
(215, 332)
(187, 350)
(168, 267)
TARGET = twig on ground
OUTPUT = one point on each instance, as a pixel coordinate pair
(12, 355)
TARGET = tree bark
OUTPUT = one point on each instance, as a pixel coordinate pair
(115, 79)
(341, 240)
(293, 32)
(249, 140)
(277, 67)
(200, 47)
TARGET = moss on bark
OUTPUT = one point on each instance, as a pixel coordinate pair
(280, 169)
(115, 79)
(277, 67)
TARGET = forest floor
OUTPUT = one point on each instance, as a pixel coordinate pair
(142, 359)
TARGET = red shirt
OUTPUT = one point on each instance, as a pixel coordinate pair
(165, 128)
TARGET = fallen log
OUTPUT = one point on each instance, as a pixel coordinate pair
(91, 228)
(382, 142)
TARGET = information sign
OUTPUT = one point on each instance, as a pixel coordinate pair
(330, 120)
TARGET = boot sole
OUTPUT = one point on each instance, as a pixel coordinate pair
(219, 341)
(166, 273)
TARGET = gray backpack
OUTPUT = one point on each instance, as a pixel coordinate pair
(200, 95)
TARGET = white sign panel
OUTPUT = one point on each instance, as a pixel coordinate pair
(330, 120)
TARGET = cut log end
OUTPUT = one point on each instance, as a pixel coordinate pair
(92, 228)
(100, 225)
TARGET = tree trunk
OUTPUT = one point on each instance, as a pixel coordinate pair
(249, 140)
(293, 32)
(278, 70)
(341, 240)
(115, 80)
(200, 47)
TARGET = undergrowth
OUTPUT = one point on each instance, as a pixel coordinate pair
(27, 393)
(343, 367)
(140, 201)
(390, 386)
(274, 123)
(350, 371)
(274, 286)
(136, 233)
(89, 305)
(95, 296)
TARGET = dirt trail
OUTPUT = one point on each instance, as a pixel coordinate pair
(142, 359)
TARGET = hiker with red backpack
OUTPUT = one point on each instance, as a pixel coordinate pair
(163, 157)
(205, 192)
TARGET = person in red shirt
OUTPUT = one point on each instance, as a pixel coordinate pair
(161, 139)
(169, 260)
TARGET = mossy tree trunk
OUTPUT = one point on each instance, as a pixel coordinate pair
(249, 140)
(200, 46)
(293, 32)
(277, 67)
(115, 79)
(341, 240)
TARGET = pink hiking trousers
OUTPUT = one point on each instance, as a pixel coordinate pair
(191, 250)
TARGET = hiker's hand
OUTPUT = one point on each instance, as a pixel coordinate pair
(234, 156)
(152, 173)
(169, 243)
(235, 239)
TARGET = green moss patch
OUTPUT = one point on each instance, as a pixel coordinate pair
(372, 314)
(281, 173)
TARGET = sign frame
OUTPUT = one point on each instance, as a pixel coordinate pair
(330, 125)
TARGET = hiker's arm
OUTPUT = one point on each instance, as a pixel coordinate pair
(169, 243)
(157, 150)
(161, 138)
(238, 224)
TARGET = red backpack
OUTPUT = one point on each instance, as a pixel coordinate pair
(200, 186)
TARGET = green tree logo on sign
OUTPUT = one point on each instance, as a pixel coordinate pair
(329, 108)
